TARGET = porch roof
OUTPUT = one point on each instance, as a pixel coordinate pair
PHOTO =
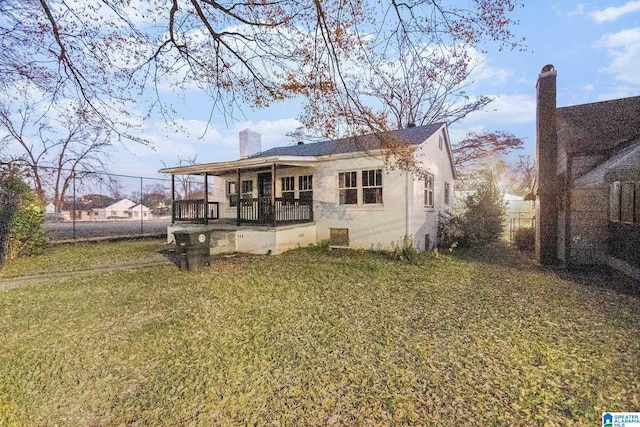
(248, 164)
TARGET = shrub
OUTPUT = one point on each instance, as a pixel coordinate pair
(525, 239)
(8, 208)
(23, 218)
(483, 221)
(450, 232)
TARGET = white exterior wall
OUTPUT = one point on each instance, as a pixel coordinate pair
(370, 225)
(375, 226)
(424, 221)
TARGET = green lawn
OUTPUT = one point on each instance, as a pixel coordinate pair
(315, 337)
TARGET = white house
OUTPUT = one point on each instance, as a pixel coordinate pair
(340, 191)
(122, 209)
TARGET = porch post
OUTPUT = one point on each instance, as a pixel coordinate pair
(173, 199)
(273, 192)
(238, 197)
(206, 198)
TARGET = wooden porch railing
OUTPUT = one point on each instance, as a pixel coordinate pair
(252, 211)
(285, 211)
(195, 210)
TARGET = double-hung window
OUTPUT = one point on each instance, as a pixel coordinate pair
(348, 188)
(428, 191)
(247, 190)
(372, 186)
(232, 193)
(305, 187)
(288, 189)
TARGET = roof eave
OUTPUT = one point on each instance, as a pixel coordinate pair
(216, 168)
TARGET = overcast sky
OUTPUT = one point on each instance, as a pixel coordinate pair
(594, 46)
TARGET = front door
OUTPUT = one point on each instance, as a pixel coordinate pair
(265, 210)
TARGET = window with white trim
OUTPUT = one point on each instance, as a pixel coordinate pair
(305, 187)
(372, 186)
(348, 188)
(428, 190)
(288, 188)
(232, 193)
(247, 189)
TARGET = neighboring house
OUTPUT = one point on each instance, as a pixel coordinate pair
(122, 209)
(337, 191)
(588, 197)
(140, 211)
(85, 207)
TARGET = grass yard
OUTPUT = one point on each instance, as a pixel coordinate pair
(315, 337)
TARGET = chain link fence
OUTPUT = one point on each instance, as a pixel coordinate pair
(83, 205)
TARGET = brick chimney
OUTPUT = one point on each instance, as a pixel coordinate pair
(546, 160)
(250, 143)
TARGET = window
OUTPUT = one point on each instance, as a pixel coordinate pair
(247, 189)
(288, 190)
(440, 140)
(447, 195)
(626, 202)
(348, 188)
(428, 191)
(614, 201)
(232, 193)
(305, 187)
(372, 186)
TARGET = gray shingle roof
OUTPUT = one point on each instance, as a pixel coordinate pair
(623, 165)
(412, 135)
(599, 126)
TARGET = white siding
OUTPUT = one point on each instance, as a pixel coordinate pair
(424, 221)
(371, 226)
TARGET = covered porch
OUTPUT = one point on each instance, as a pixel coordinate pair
(238, 202)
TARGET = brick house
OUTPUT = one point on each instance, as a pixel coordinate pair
(588, 196)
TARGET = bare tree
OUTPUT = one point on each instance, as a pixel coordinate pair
(186, 187)
(479, 146)
(478, 153)
(525, 173)
(56, 148)
(111, 54)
